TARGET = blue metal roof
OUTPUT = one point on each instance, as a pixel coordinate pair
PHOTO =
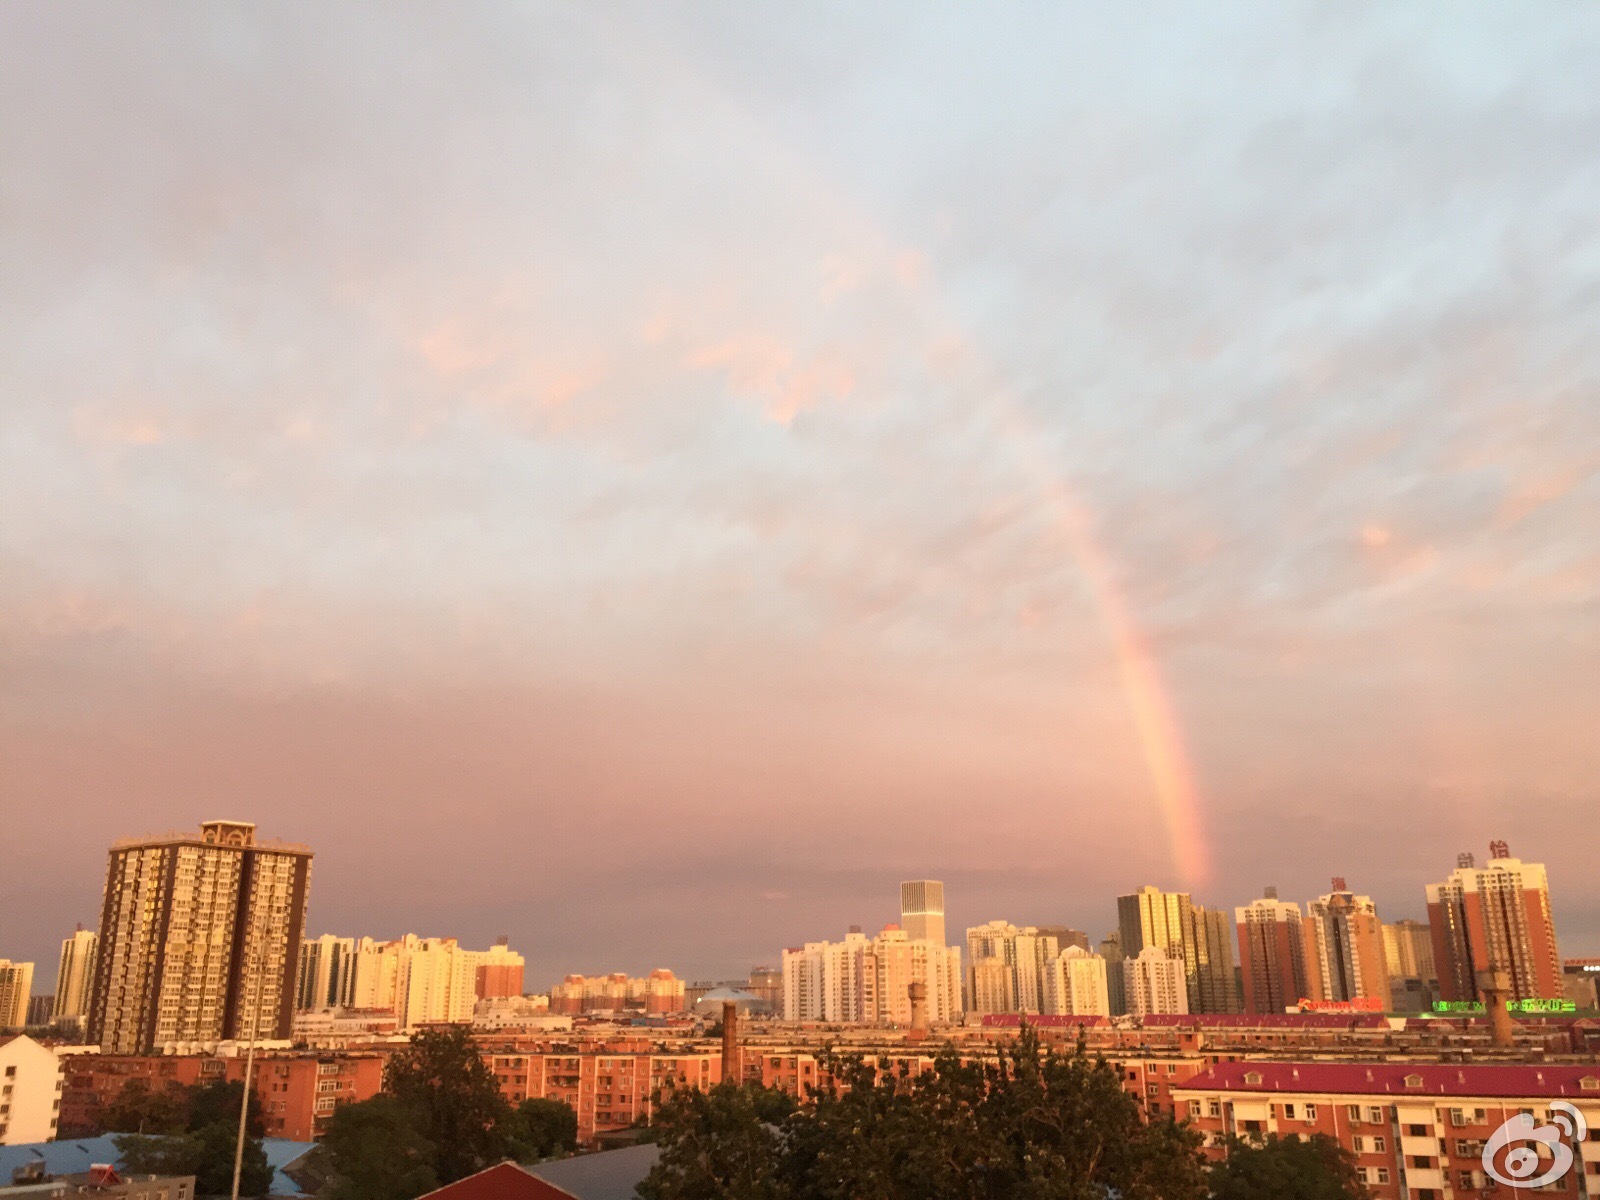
(72, 1156)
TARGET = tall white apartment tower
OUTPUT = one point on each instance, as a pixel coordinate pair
(75, 976)
(922, 910)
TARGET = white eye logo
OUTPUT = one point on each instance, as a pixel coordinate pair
(1520, 1166)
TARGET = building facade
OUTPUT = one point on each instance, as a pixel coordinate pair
(30, 1092)
(326, 977)
(296, 1093)
(1415, 1130)
(75, 976)
(863, 980)
(1495, 917)
(1201, 939)
(1077, 985)
(1025, 952)
(16, 985)
(1154, 983)
(922, 910)
(657, 993)
(1344, 947)
(199, 939)
(1272, 954)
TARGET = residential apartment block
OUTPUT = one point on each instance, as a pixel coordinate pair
(867, 980)
(1495, 917)
(30, 1092)
(75, 977)
(1417, 1131)
(199, 939)
(16, 985)
(297, 1092)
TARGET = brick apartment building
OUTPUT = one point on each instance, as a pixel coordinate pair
(296, 1093)
(1417, 1130)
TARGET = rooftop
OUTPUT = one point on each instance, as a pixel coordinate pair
(1401, 1079)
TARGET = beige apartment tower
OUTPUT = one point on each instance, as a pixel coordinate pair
(75, 976)
(199, 939)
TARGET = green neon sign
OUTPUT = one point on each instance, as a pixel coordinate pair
(1532, 1005)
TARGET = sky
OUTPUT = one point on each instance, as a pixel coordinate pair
(646, 479)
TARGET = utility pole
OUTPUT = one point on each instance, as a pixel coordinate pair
(249, 1065)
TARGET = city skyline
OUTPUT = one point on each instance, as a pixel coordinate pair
(736, 464)
(541, 975)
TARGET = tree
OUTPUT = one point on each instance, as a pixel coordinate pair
(1030, 1126)
(137, 1108)
(715, 1145)
(207, 1154)
(1288, 1168)
(541, 1128)
(190, 1131)
(371, 1151)
(217, 1103)
(452, 1099)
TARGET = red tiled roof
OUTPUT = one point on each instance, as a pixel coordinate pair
(1390, 1078)
(505, 1181)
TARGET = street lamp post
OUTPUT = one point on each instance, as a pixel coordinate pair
(249, 1066)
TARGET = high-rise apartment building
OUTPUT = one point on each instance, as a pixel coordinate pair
(922, 910)
(1495, 917)
(1077, 985)
(1272, 954)
(1408, 949)
(1111, 951)
(1151, 917)
(199, 939)
(1344, 947)
(1200, 938)
(75, 976)
(658, 992)
(1027, 954)
(867, 980)
(436, 982)
(499, 972)
(16, 985)
(1213, 988)
(327, 973)
(1154, 982)
(1066, 936)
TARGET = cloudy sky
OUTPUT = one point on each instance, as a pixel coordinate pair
(646, 479)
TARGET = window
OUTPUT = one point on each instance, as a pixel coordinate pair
(1194, 1108)
(1379, 1146)
(1375, 1115)
(1358, 1145)
(1288, 1112)
(1311, 1112)
(1383, 1174)
(1214, 1109)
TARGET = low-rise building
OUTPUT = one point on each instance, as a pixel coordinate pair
(297, 1093)
(30, 1091)
(1417, 1130)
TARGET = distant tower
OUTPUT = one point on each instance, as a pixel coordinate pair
(922, 910)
